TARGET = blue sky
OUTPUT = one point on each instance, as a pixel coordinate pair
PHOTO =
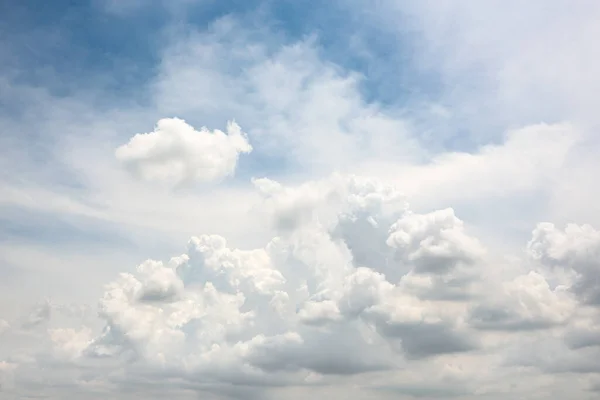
(78, 39)
(375, 199)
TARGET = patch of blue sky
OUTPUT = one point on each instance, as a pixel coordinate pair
(347, 34)
(62, 44)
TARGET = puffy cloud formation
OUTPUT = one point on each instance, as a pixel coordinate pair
(352, 283)
(523, 303)
(271, 311)
(175, 153)
(310, 284)
(576, 248)
(435, 242)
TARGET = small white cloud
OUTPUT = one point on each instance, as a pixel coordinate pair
(434, 242)
(175, 153)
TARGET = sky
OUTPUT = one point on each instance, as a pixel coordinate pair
(277, 199)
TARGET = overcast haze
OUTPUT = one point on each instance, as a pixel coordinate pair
(280, 199)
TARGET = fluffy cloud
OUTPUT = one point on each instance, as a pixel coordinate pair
(175, 153)
(524, 303)
(333, 287)
(276, 308)
(434, 242)
(315, 304)
(353, 282)
(575, 248)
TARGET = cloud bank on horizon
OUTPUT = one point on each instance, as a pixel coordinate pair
(404, 208)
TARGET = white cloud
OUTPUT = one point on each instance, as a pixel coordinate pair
(524, 303)
(328, 288)
(295, 103)
(301, 307)
(576, 248)
(527, 160)
(433, 242)
(176, 153)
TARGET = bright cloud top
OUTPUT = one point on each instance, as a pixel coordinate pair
(175, 153)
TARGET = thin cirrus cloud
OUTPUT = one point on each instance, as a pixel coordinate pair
(439, 244)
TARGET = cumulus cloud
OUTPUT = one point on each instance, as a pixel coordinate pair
(524, 303)
(433, 242)
(257, 311)
(303, 306)
(352, 282)
(303, 283)
(175, 153)
(576, 248)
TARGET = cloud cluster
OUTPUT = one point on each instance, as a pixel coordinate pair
(576, 248)
(353, 282)
(310, 284)
(175, 153)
